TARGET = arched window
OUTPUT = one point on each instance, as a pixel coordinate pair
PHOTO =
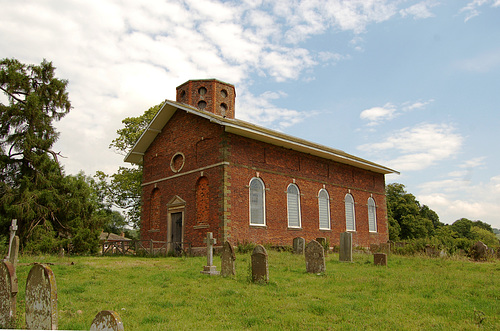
(293, 204)
(324, 209)
(350, 218)
(257, 202)
(154, 216)
(372, 215)
(202, 201)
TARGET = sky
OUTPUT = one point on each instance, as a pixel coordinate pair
(412, 85)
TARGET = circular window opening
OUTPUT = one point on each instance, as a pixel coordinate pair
(202, 104)
(177, 162)
(223, 109)
(223, 93)
(202, 91)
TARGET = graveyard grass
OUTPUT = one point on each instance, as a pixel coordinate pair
(416, 293)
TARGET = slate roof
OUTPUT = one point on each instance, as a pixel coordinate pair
(249, 130)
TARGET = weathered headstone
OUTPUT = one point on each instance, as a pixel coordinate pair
(41, 299)
(299, 245)
(12, 229)
(210, 269)
(260, 268)
(345, 254)
(14, 251)
(227, 260)
(479, 251)
(8, 292)
(380, 259)
(385, 247)
(107, 320)
(315, 257)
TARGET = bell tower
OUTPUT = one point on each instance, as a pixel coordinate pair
(210, 95)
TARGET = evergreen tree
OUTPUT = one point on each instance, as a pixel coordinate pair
(52, 210)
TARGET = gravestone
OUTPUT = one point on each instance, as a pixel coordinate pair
(227, 260)
(41, 299)
(14, 251)
(107, 320)
(12, 229)
(385, 247)
(260, 268)
(315, 257)
(345, 254)
(374, 248)
(8, 292)
(380, 259)
(210, 269)
(479, 251)
(299, 245)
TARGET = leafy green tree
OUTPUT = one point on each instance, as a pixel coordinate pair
(407, 218)
(52, 210)
(123, 188)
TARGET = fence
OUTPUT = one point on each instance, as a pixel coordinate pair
(145, 247)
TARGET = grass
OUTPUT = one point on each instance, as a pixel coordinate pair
(411, 293)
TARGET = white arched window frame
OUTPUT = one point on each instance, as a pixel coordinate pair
(293, 206)
(257, 199)
(372, 215)
(324, 209)
(350, 217)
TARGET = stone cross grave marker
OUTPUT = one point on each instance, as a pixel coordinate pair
(299, 244)
(260, 268)
(345, 254)
(107, 320)
(13, 229)
(227, 260)
(380, 259)
(8, 292)
(315, 257)
(14, 251)
(210, 269)
(41, 299)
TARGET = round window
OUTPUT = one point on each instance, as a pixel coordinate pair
(177, 162)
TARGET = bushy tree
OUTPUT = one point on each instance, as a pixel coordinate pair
(52, 210)
(123, 189)
(407, 218)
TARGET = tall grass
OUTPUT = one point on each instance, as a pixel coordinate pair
(171, 293)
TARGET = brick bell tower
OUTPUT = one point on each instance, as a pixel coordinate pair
(210, 95)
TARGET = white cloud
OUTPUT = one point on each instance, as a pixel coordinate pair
(453, 199)
(378, 115)
(471, 10)
(418, 147)
(419, 10)
(482, 63)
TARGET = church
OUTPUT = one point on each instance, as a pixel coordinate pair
(206, 171)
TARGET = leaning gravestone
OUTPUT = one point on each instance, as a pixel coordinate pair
(299, 244)
(227, 260)
(315, 257)
(345, 254)
(14, 251)
(41, 299)
(260, 269)
(107, 320)
(8, 292)
(380, 259)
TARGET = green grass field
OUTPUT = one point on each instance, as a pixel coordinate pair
(411, 293)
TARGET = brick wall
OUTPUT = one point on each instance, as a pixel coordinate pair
(214, 166)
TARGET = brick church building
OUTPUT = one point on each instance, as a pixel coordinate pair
(206, 171)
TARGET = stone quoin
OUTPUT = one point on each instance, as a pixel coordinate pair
(206, 171)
